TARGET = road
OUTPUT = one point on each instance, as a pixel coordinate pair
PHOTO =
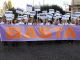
(41, 51)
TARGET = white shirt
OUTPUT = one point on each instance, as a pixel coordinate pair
(29, 23)
(15, 24)
(1, 22)
(72, 24)
(66, 24)
(60, 24)
(41, 23)
(47, 23)
(20, 23)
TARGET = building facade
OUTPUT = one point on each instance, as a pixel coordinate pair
(75, 6)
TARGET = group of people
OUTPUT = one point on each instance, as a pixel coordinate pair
(32, 21)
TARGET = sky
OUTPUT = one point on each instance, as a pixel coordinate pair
(22, 3)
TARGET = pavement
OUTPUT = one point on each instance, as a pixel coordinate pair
(52, 50)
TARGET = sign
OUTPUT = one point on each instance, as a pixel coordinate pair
(20, 17)
(77, 14)
(57, 15)
(37, 8)
(19, 11)
(65, 17)
(67, 14)
(42, 16)
(32, 13)
(9, 18)
(51, 10)
(39, 33)
(49, 16)
(29, 8)
(8, 12)
(73, 17)
(25, 17)
(9, 15)
(38, 15)
(44, 11)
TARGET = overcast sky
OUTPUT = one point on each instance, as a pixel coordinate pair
(22, 3)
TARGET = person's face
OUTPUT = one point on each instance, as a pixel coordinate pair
(73, 21)
(30, 21)
(46, 21)
(64, 21)
(0, 19)
(15, 21)
(19, 21)
(39, 21)
(25, 20)
(8, 22)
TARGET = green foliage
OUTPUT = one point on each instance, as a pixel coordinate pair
(9, 4)
(5, 6)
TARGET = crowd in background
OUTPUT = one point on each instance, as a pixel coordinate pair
(33, 21)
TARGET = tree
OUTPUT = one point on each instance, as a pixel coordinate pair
(55, 7)
(5, 6)
(9, 4)
(1, 11)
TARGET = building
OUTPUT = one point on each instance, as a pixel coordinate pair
(75, 6)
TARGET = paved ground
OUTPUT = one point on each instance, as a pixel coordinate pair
(41, 51)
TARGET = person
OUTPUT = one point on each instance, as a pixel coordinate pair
(55, 22)
(73, 22)
(77, 22)
(64, 22)
(30, 22)
(8, 21)
(4, 20)
(1, 21)
(20, 21)
(25, 21)
(59, 23)
(40, 22)
(35, 22)
(47, 22)
(15, 22)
